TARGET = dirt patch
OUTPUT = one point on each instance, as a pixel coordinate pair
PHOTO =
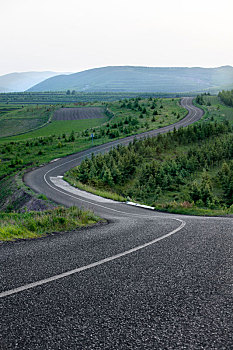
(14, 198)
(78, 113)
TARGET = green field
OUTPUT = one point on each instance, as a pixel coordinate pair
(6, 108)
(59, 127)
(20, 120)
(123, 118)
(130, 116)
(150, 113)
(60, 138)
(216, 110)
(23, 98)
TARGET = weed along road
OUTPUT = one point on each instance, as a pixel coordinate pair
(144, 280)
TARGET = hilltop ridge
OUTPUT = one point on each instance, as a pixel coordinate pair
(141, 79)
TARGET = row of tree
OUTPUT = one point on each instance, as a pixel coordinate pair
(139, 171)
(227, 97)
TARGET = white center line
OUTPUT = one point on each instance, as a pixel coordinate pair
(86, 267)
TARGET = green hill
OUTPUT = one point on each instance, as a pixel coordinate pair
(141, 79)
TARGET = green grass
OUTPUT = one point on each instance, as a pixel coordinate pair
(6, 108)
(217, 110)
(170, 201)
(36, 224)
(170, 113)
(79, 97)
(99, 173)
(59, 127)
(99, 192)
(178, 201)
(187, 209)
(43, 145)
(170, 206)
(24, 119)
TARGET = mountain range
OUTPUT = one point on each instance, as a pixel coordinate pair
(17, 82)
(141, 79)
(123, 79)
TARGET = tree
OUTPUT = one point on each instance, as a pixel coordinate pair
(107, 177)
(72, 137)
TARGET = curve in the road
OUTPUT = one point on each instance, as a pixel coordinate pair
(174, 294)
(39, 179)
(89, 266)
(194, 114)
(34, 179)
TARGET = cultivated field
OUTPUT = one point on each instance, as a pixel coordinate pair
(17, 120)
(78, 113)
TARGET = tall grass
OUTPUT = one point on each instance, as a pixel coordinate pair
(98, 192)
(34, 224)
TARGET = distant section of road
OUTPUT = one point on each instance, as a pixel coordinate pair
(39, 179)
(145, 280)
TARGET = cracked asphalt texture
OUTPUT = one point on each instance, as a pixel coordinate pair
(174, 294)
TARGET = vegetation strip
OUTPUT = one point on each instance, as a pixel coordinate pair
(130, 117)
(36, 224)
(166, 167)
(206, 189)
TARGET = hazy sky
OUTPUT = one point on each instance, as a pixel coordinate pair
(74, 35)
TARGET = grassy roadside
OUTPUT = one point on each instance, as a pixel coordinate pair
(187, 208)
(37, 224)
(215, 109)
(187, 171)
(172, 206)
(97, 191)
(180, 207)
(130, 117)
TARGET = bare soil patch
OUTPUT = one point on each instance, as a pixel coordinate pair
(78, 113)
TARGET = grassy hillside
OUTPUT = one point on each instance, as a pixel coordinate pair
(23, 119)
(187, 171)
(58, 128)
(141, 79)
(215, 108)
(47, 98)
(60, 138)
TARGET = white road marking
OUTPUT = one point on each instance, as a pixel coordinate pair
(87, 267)
(140, 205)
(54, 160)
(59, 182)
(103, 261)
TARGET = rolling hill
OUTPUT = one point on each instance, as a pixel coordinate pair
(18, 82)
(141, 79)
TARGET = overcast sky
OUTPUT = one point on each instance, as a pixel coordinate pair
(74, 35)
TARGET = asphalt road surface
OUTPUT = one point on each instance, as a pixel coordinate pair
(145, 280)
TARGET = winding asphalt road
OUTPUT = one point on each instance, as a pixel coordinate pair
(145, 280)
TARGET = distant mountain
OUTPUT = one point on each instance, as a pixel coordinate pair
(141, 79)
(16, 82)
